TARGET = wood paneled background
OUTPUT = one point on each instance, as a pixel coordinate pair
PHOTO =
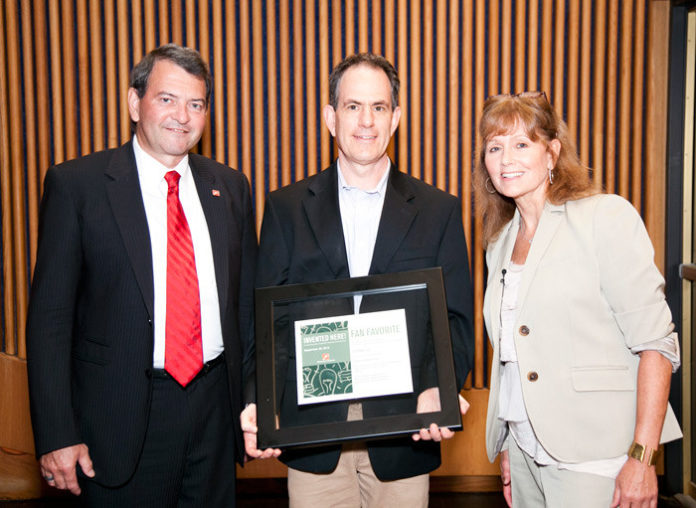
(64, 68)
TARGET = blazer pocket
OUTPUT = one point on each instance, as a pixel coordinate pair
(602, 378)
(90, 350)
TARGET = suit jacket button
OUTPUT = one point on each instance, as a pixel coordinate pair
(532, 376)
(524, 330)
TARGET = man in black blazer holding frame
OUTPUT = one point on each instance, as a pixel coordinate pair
(361, 216)
(141, 306)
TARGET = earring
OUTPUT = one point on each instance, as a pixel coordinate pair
(550, 176)
(491, 189)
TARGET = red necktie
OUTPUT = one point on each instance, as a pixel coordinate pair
(183, 352)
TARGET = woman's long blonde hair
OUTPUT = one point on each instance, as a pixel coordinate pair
(532, 111)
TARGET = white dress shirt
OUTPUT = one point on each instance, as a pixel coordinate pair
(154, 190)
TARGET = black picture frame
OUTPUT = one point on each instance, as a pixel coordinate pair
(272, 434)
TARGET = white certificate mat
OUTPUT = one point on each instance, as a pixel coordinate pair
(352, 357)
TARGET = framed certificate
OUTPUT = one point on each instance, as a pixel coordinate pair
(357, 358)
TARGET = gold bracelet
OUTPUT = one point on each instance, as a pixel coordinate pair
(637, 451)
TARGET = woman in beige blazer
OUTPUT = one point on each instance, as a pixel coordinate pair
(583, 347)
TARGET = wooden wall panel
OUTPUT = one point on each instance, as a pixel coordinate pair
(64, 68)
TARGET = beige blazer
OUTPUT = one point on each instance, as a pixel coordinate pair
(590, 291)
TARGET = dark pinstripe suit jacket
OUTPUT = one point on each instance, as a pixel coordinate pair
(89, 332)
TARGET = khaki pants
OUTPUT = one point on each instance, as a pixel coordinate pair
(353, 484)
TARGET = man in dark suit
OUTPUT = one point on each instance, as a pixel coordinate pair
(362, 216)
(141, 306)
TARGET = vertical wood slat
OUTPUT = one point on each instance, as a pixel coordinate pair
(546, 46)
(453, 133)
(479, 377)
(204, 48)
(427, 97)
(493, 63)
(8, 296)
(402, 69)
(337, 41)
(506, 63)
(149, 27)
(610, 114)
(231, 71)
(17, 182)
(285, 156)
(70, 88)
(573, 59)
(467, 115)
(57, 84)
(310, 88)
(415, 110)
(123, 69)
(178, 22)
(98, 70)
(258, 78)
(245, 57)
(336, 31)
(136, 29)
(273, 134)
(164, 25)
(532, 35)
(32, 181)
(441, 137)
(219, 82)
(585, 82)
(520, 56)
(636, 148)
(42, 69)
(376, 29)
(625, 76)
(349, 13)
(298, 72)
(190, 20)
(559, 49)
(325, 137)
(599, 56)
(362, 26)
(112, 136)
(83, 66)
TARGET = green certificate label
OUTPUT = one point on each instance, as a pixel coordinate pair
(326, 359)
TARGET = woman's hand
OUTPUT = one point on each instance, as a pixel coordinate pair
(505, 476)
(636, 486)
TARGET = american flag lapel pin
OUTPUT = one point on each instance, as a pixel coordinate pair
(216, 193)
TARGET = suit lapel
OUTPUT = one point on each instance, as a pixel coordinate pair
(397, 215)
(125, 198)
(216, 206)
(323, 214)
(548, 225)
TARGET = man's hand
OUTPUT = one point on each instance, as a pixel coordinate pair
(248, 422)
(429, 402)
(505, 476)
(636, 486)
(58, 467)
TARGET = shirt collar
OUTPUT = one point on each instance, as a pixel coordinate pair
(379, 189)
(150, 169)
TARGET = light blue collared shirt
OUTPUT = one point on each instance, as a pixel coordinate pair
(360, 216)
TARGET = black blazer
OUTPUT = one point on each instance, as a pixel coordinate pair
(302, 241)
(89, 329)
